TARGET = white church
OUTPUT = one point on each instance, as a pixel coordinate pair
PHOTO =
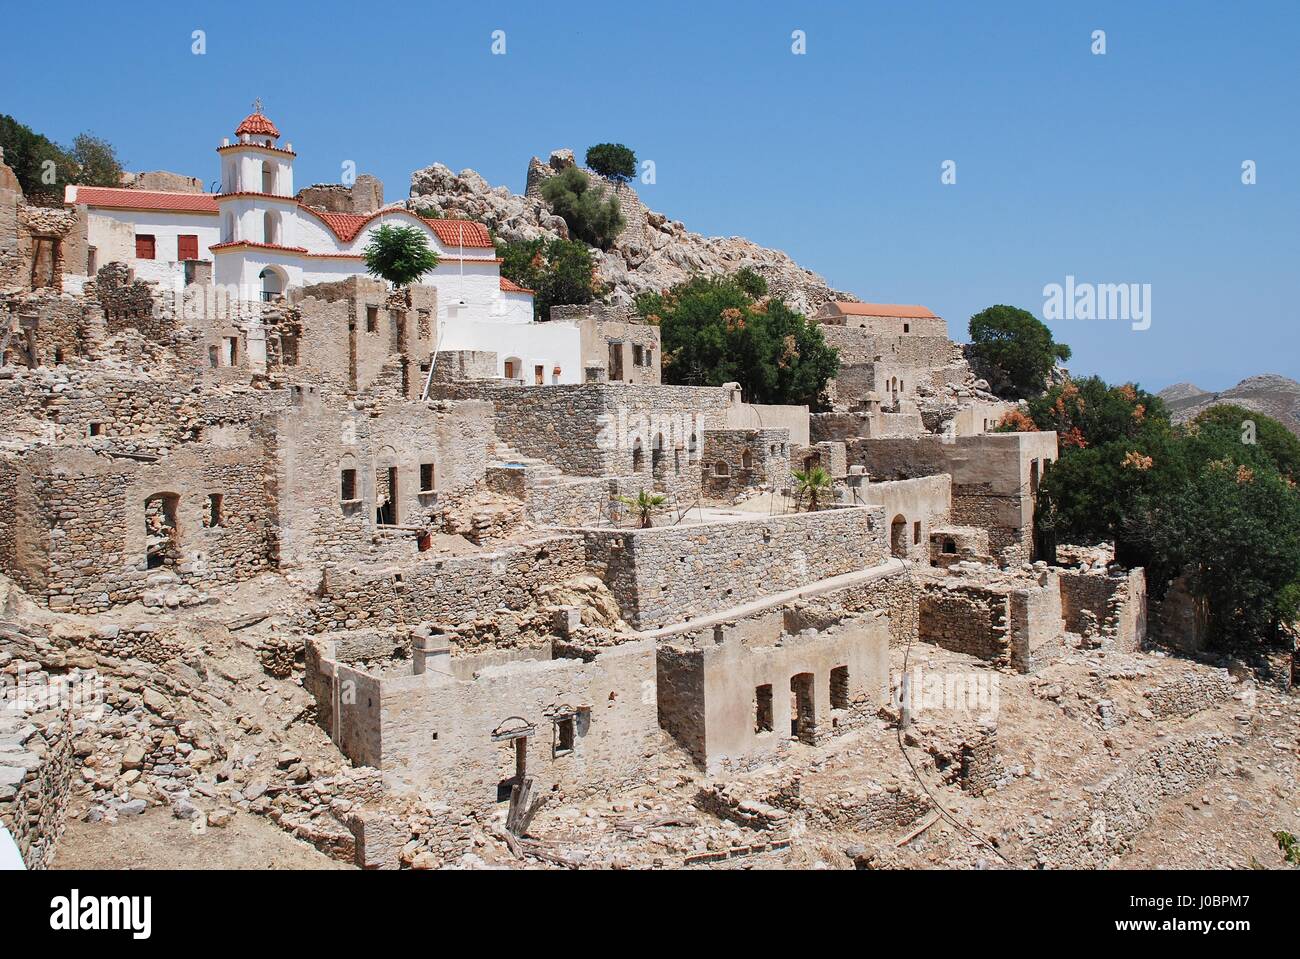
(261, 240)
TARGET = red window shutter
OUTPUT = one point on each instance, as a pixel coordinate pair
(143, 246)
(187, 247)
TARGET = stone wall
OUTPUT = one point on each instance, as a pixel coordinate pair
(1007, 625)
(737, 699)
(669, 574)
(591, 429)
(36, 766)
(736, 460)
(450, 590)
(594, 725)
(365, 195)
(994, 478)
(318, 438)
(1116, 598)
(1126, 802)
(91, 514)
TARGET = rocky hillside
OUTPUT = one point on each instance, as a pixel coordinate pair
(1274, 395)
(653, 254)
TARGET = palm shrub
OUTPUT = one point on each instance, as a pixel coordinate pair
(813, 483)
(645, 504)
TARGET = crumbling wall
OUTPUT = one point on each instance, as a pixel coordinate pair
(1127, 801)
(1116, 598)
(590, 429)
(736, 460)
(36, 767)
(813, 685)
(966, 619)
(449, 590)
(319, 438)
(93, 509)
(426, 731)
(667, 574)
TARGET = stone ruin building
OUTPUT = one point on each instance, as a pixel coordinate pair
(467, 592)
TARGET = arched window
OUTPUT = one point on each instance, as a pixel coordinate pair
(271, 227)
(272, 285)
(898, 537)
(720, 468)
(747, 460)
(230, 228)
(268, 177)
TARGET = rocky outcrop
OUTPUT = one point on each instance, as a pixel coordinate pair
(652, 254)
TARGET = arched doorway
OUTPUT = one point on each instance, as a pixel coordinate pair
(898, 537)
(272, 284)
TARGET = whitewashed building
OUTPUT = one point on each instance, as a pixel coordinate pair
(261, 240)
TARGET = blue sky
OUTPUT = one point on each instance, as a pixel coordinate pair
(1122, 168)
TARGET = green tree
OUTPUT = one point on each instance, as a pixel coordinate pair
(612, 160)
(559, 272)
(713, 332)
(1089, 412)
(1274, 440)
(97, 163)
(751, 282)
(1235, 531)
(1192, 500)
(40, 165)
(646, 503)
(399, 254)
(1016, 349)
(814, 483)
(591, 217)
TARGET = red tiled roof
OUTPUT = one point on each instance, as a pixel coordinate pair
(257, 124)
(255, 146)
(230, 244)
(510, 286)
(461, 232)
(115, 198)
(883, 309)
(346, 226)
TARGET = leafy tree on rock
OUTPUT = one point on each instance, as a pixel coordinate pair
(42, 166)
(714, 331)
(1016, 347)
(97, 163)
(612, 160)
(591, 217)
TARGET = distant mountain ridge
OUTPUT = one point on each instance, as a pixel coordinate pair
(1270, 393)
